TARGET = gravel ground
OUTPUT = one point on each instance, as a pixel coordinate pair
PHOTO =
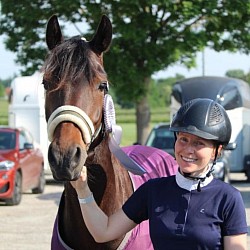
(28, 226)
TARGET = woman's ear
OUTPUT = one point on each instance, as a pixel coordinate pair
(219, 151)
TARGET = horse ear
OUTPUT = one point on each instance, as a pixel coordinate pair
(53, 33)
(103, 36)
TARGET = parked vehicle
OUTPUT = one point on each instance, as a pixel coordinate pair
(26, 109)
(234, 95)
(161, 137)
(21, 165)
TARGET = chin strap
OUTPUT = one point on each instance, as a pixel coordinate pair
(201, 179)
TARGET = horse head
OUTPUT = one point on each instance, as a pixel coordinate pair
(75, 84)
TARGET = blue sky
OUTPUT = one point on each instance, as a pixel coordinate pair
(216, 64)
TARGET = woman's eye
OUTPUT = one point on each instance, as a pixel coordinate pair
(183, 139)
(199, 143)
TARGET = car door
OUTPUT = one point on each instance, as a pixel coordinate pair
(26, 160)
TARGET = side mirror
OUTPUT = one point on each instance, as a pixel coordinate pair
(28, 145)
(231, 146)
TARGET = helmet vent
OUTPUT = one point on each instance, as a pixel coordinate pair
(215, 116)
(185, 107)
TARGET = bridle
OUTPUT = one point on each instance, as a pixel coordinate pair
(108, 125)
(69, 113)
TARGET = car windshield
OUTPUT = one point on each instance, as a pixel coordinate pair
(7, 140)
(162, 139)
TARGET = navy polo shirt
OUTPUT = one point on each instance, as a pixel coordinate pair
(181, 219)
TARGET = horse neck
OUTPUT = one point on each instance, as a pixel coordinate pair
(71, 225)
(107, 178)
(111, 186)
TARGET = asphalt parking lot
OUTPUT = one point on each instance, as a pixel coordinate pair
(28, 226)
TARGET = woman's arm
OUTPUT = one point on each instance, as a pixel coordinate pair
(101, 227)
(235, 242)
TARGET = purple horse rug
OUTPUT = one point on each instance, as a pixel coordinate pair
(157, 163)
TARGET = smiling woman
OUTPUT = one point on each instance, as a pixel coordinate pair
(202, 127)
(194, 153)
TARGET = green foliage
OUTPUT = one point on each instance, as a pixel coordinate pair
(3, 111)
(6, 82)
(148, 36)
(165, 87)
(238, 73)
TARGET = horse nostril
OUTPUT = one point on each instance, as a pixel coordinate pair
(66, 161)
(53, 156)
(76, 155)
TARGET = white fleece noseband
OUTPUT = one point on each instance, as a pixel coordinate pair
(71, 114)
(80, 118)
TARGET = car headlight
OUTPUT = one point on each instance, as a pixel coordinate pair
(6, 165)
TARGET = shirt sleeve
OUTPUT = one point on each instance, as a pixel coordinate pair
(136, 207)
(234, 215)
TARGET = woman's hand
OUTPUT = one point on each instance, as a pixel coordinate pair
(101, 227)
(81, 184)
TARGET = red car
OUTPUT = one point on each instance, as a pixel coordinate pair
(21, 165)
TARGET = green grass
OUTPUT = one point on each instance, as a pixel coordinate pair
(129, 133)
(4, 111)
(128, 115)
(125, 118)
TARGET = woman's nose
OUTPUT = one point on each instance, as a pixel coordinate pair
(190, 148)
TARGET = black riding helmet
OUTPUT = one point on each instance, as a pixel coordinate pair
(204, 118)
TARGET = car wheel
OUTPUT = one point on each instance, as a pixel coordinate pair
(41, 184)
(17, 194)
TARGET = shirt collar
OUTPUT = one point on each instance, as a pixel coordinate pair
(189, 184)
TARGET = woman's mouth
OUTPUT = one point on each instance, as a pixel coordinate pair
(191, 160)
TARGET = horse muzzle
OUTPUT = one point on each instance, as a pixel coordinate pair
(66, 163)
(67, 156)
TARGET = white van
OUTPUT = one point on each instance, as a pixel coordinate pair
(234, 95)
(26, 109)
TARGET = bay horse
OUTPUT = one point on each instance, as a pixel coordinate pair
(76, 86)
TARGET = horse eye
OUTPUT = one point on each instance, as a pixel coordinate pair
(103, 86)
(45, 84)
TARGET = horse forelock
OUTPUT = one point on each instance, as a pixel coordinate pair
(71, 61)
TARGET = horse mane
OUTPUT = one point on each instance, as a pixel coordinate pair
(71, 61)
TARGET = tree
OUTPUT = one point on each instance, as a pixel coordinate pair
(238, 73)
(165, 87)
(7, 82)
(148, 36)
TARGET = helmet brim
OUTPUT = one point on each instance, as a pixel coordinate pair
(194, 131)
